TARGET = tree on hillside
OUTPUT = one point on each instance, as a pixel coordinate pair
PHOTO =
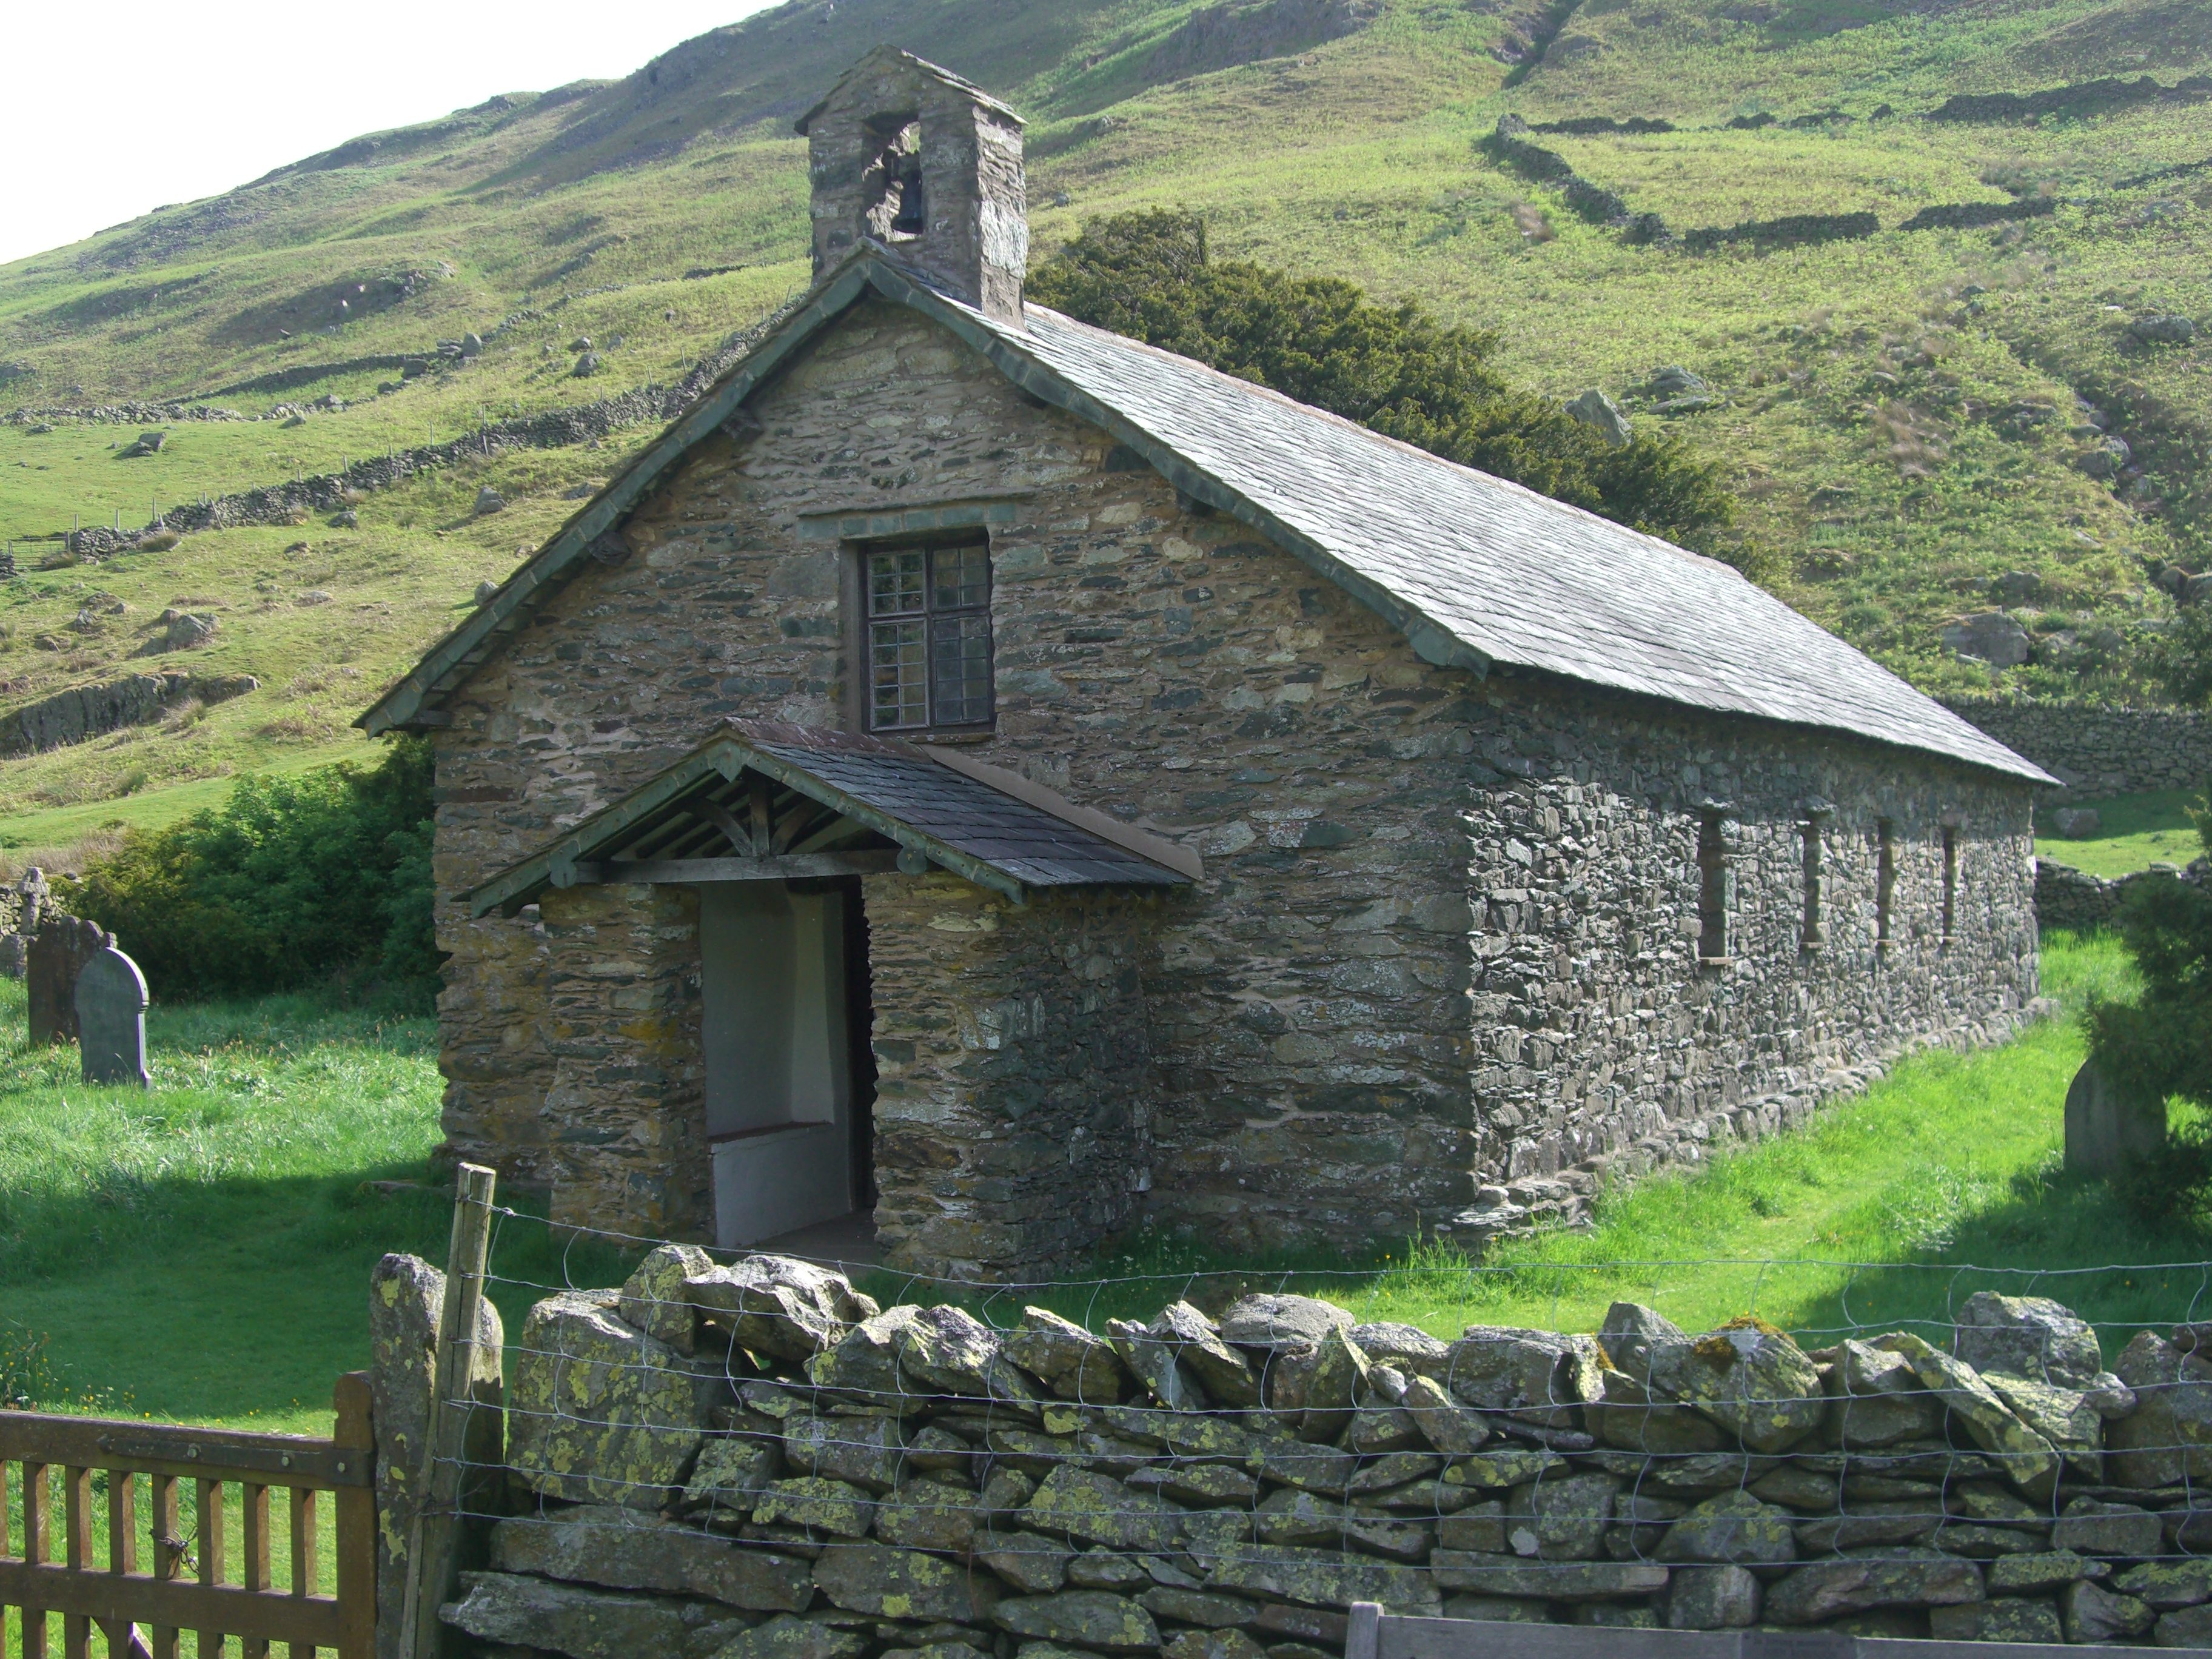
(1395, 370)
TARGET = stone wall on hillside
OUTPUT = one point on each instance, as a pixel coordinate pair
(2067, 897)
(2095, 752)
(756, 1462)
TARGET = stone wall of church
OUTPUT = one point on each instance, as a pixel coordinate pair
(1437, 944)
(1015, 1091)
(1605, 1046)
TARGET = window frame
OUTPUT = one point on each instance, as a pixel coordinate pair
(861, 623)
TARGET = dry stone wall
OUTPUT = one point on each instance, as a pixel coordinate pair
(2095, 752)
(757, 1462)
(2067, 897)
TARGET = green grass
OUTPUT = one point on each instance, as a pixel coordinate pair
(2134, 833)
(201, 1253)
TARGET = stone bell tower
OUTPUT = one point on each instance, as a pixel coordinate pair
(909, 155)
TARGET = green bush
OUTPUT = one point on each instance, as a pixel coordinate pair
(322, 880)
(1395, 370)
(2160, 1048)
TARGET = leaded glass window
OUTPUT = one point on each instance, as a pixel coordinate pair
(929, 637)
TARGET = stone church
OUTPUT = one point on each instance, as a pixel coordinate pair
(983, 774)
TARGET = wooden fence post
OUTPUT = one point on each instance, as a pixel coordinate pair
(433, 1551)
(355, 1438)
(1364, 1633)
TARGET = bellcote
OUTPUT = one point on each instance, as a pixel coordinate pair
(904, 153)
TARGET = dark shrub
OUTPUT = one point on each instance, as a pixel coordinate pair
(1395, 370)
(294, 882)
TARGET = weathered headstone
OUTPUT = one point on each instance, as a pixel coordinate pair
(30, 904)
(58, 952)
(2106, 1129)
(111, 1019)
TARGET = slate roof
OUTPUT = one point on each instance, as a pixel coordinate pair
(878, 793)
(1473, 569)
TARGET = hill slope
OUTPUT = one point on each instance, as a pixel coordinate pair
(1906, 414)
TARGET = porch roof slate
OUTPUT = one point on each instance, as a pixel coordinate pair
(954, 818)
(1476, 571)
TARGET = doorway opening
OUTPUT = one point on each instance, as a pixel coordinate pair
(790, 1081)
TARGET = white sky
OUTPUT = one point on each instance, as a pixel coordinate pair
(114, 106)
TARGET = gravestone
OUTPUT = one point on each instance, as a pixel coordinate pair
(111, 1019)
(58, 952)
(30, 905)
(2106, 1130)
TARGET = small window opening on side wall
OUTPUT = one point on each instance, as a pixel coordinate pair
(1885, 882)
(1813, 829)
(1950, 879)
(1716, 885)
(929, 637)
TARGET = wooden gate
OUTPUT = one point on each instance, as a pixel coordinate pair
(86, 1453)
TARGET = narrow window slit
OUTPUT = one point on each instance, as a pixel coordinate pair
(1885, 882)
(1714, 884)
(1815, 934)
(1950, 880)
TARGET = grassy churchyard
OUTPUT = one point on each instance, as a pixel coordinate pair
(201, 1253)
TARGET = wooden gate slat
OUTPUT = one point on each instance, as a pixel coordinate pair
(265, 1615)
(37, 1548)
(209, 1512)
(302, 1510)
(168, 1554)
(76, 1555)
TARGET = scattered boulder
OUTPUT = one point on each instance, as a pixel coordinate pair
(487, 591)
(2017, 587)
(1594, 409)
(471, 344)
(488, 501)
(2077, 823)
(586, 365)
(1992, 637)
(180, 630)
(2168, 328)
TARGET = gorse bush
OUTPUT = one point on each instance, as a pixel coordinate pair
(1394, 369)
(294, 882)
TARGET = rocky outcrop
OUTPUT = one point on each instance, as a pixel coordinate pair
(90, 711)
(764, 1465)
(1790, 230)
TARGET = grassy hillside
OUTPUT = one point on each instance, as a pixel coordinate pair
(1903, 414)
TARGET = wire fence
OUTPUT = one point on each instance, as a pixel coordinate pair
(1283, 1442)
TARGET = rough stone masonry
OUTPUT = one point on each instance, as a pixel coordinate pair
(756, 1462)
